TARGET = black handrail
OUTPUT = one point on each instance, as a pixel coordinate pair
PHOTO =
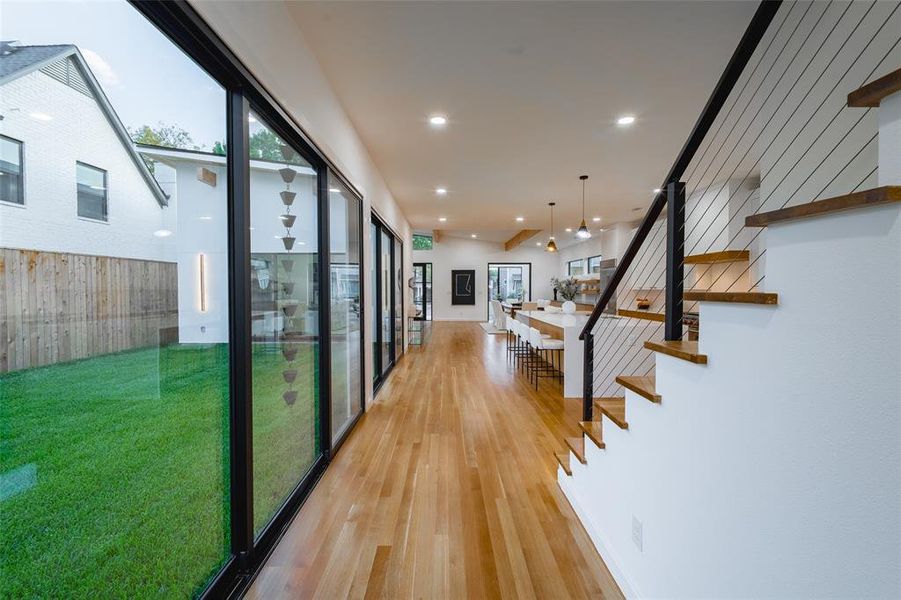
(746, 47)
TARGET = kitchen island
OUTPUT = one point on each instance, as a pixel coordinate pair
(567, 328)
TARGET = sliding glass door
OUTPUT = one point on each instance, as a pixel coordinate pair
(510, 283)
(387, 299)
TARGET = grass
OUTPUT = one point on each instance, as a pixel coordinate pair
(125, 462)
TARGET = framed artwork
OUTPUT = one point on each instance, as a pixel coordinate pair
(463, 286)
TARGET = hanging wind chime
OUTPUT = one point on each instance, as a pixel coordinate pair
(289, 350)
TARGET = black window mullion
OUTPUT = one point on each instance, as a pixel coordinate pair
(325, 321)
(240, 345)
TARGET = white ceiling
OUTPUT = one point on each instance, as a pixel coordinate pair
(532, 91)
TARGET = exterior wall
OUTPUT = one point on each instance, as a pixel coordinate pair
(78, 131)
(265, 37)
(458, 253)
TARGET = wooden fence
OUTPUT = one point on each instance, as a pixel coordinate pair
(59, 307)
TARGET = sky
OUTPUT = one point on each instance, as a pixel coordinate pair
(145, 76)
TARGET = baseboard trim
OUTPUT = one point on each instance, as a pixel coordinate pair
(625, 585)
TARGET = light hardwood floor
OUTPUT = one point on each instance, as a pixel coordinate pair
(446, 489)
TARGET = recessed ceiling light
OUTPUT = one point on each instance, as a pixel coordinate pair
(596, 219)
(162, 233)
(473, 236)
(569, 230)
(334, 190)
(657, 190)
(520, 219)
(537, 243)
(438, 120)
(40, 116)
(625, 120)
(442, 219)
(441, 191)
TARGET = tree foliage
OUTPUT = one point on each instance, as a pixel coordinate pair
(168, 136)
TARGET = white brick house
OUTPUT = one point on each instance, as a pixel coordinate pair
(54, 110)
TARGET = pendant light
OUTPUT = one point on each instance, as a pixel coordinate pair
(583, 232)
(551, 244)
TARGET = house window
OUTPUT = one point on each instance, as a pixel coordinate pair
(574, 267)
(422, 242)
(11, 180)
(93, 198)
(594, 265)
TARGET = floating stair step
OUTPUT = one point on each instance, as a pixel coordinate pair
(737, 297)
(614, 408)
(680, 349)
(871, 94)
(881, 195)
(563, 459)
(577, 445)
(593, 430)
(642, 314)
(643, 385)
(726, 256)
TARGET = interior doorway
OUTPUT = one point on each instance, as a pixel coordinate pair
(510, 283)
(422, 291)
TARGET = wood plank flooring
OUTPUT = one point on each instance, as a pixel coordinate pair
(445, 489)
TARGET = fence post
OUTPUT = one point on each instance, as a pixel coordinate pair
(675, 258)
(588, 378)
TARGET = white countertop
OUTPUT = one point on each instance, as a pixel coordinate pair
(556, 319)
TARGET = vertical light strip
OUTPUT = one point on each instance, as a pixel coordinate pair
(202, 282)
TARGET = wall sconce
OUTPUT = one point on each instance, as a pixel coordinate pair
(202, 283)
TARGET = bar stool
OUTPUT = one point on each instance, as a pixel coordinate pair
(511, 336)
(544, 348)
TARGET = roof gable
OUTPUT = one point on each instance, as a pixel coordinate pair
(17, 61)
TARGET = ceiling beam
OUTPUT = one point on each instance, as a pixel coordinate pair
(436, 236)
(519, 238)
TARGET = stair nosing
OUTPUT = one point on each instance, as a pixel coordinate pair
(561, 457)
(587, 428)
(763, 298)
(626, 382)
(724, 256)
(692, 357)
(572, 442)
(622, 424)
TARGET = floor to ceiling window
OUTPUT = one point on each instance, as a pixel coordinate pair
(387, 299)
(285, 317)
(509, 282)
(114, 390)
(164, 394)
(345, 223)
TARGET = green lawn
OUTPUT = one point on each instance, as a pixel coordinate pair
(114, 469)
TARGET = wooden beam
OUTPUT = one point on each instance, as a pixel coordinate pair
(519, 238)
(436, 236)
(872, 93)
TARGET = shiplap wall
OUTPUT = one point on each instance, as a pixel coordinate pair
(57, 307)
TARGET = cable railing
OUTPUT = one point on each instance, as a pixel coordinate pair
(776, 132)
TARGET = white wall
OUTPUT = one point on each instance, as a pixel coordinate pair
(77, 131)
(269, 42)
(458, 253)
(773, 471)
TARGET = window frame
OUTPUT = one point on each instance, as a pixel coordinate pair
(588, 263)
(569, 265)
(105, 218)
(21, 175)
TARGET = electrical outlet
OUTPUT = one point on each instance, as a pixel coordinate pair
(637, 534)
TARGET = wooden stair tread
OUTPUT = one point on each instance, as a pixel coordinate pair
(643, 385)
(614, 408)
(593, 430)
(738, 297)
(724, 256)
(871, 94)
(683, 349)
(881, 195)
(642, 314)
(563, 459)
(577, 445)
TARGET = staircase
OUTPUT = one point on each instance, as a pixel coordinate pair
(761, 458)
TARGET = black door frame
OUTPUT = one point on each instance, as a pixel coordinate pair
(379, 372)
(505, 264)
(426, 301)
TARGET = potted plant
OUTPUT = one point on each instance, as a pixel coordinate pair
(567, 287)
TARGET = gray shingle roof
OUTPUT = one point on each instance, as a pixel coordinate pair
(24, 59)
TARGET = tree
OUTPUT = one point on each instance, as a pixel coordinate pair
(169, 136)
(264, 145)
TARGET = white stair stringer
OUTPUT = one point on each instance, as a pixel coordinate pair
(775, 469)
